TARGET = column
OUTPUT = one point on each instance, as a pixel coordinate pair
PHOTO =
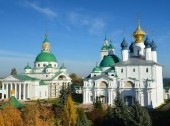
(19, 91)
(15, 90)
(10, 90)
(84, 96)
(28, 91)
(7, 91)
(3, 90)
(24, 91)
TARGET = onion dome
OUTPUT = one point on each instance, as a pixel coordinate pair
(153, 46)
(124, 44)
(139, 34)
(131, 47)
(27, 67)
(109, 61)
(105, 45)
(46, 55)
(147, 42)
(46, 45)
(111, 46)
(97, 69)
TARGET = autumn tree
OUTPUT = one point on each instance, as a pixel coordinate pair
(70, 112)
(36, 115)
(10, 116)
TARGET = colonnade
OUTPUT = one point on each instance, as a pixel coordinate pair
(21, 90)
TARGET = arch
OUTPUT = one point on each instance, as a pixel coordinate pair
(129, 84)
(61, 77)
(103, 84)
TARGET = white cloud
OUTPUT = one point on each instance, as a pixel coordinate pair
(95, 25)
(45, 11)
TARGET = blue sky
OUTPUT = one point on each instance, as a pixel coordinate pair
(76, 30)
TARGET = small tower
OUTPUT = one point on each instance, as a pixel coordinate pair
(148, 55)
(105, 49)
(154, 52)
(28, 69)
(63, 68)
(111, 48)
(124, 50)
(138, 46)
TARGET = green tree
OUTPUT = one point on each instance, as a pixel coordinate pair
(140, 116)
(82, 118)
(118, 115)
(98, 104)
(63, 95)
(14, 72)
(70, 112)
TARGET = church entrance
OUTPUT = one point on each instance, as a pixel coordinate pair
(128, 100)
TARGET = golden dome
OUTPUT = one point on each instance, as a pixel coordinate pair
(139, 34)
(46, 45)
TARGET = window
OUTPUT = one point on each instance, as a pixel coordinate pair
(38, 65)
(44, 65)
(54, 65)
(46, 75)
(112, 75)
(122, 70)
(134, 70)
(94, 75)
(147, 70)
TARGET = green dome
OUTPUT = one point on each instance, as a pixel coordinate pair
(105, 47)
(27, 67)
(45, 57)
(109, 61)
(96, 69)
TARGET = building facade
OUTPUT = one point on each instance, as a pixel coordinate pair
(42, 81)
(137, 75)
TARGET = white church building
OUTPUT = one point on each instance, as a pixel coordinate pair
(137, 75)
(42, 81)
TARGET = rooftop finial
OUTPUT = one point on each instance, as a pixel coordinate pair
(96, 64)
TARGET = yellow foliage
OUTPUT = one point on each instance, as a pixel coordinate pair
(10, 116)
(37, 115)
(70, 112)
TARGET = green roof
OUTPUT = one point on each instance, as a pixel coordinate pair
(104, 47)
(27, 67)
(14, 102)
(24, 77)
(109, 61)
(97, 69)
(45, 57)
(42, 83)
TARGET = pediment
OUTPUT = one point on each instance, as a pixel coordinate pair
(9, 78)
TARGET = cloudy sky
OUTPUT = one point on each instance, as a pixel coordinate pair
(76, 30)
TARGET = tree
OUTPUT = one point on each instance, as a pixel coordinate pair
(63, 95)
(98, 104)
(70, 112)
(10, 116)
(37, 115)
(119, 115)
(140, 115)
(14, 72)
(82, 118)
(75, 79)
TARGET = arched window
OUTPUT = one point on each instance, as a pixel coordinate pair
(38, 65)
(133, 69)
(147, 70)
(122, 70)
